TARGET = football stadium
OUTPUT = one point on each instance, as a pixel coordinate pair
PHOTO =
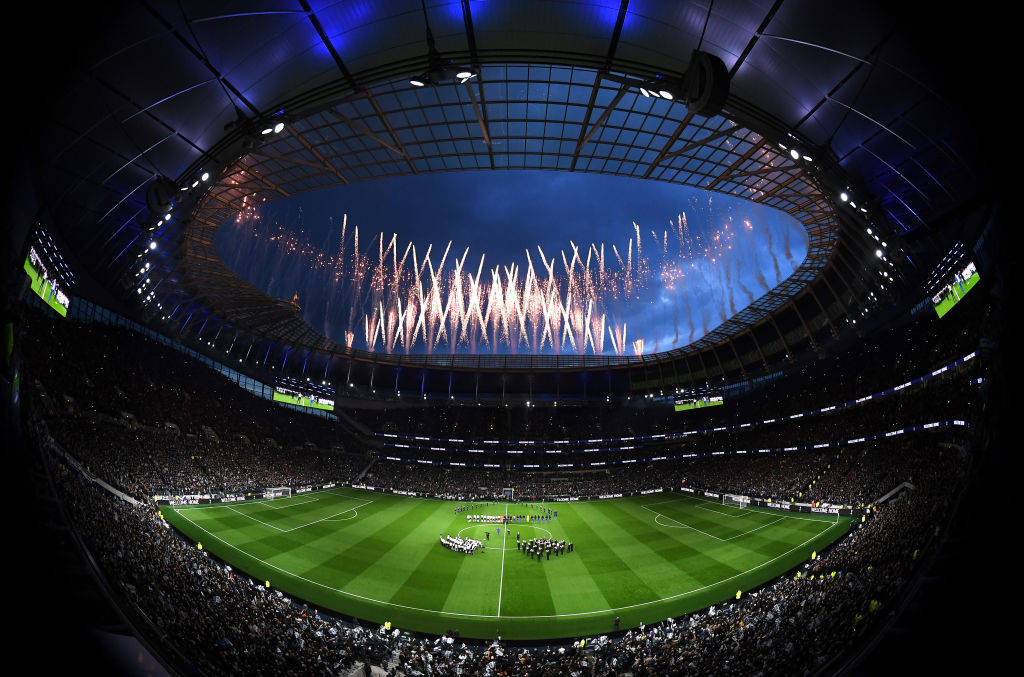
(507, 337)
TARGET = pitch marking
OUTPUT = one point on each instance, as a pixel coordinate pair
(501, 576)
(462, 615)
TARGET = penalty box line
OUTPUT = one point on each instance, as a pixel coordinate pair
(681, 524)
(308, 494)
(723, 540)
(259, 502)
(747, 511)
(279, 529)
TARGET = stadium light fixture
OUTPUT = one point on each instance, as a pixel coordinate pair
(646, 94)
(152, 244)
(279, 127)
(665, 94)
(794, 153)
(205, 176)
(844, 197)
(878, 253)
(415, 82)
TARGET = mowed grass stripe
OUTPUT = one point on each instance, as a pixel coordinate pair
(679, 559)
(570, 584)
(528, 589)
(619, 584)
(285, 517)
(476, 586)
(719, 526)
(384, 578)
(277, 547)
(362, 544)
(752, 540)
(428, 573)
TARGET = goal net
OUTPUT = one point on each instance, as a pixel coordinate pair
(734, 499)
(509, 493)
(277, 492)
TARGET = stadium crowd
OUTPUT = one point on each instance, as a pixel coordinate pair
(850, 475)
(111, 371)
(146, 462)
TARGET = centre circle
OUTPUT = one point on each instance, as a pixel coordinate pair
(476, 531)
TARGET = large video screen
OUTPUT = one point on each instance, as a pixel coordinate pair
(950, 294)
(44, 285)
(698, 403)
(302, 399)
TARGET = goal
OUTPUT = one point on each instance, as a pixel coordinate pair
(734, 499)
(277, 492)
(509, 494)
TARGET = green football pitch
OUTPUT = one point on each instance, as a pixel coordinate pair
(377, 556)
(956, 292)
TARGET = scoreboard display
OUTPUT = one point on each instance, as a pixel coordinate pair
(302, 399)
(698, 402)
(44, 284)
(962, 281)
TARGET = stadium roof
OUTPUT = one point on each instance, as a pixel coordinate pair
(176, 88)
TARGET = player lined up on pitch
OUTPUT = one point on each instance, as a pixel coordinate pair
(464, 545)
(543, 548)
(545, 516)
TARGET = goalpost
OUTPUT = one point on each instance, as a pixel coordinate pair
(509, 493)
(277, 492)
(735, 499)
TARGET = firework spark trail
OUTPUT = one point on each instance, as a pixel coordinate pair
(729, 287)
(411, 300)
(771, 252)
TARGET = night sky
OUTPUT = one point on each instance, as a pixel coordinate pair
(684, 281)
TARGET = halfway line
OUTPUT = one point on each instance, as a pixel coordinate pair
(501, 576)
